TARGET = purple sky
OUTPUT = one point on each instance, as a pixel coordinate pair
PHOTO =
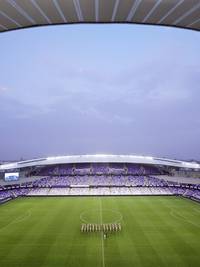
(80, 89)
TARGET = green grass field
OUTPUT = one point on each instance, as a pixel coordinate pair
(45, 231)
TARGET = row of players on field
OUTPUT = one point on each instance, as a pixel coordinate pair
(108, 227)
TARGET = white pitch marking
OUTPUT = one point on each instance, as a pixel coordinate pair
(102, 242)
(84, 213)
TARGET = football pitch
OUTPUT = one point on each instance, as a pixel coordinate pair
(45, 232)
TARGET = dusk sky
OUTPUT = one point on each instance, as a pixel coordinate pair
(85, 89)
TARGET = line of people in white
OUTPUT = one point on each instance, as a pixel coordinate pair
(103, 227)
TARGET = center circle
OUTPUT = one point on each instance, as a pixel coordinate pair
(95, 216)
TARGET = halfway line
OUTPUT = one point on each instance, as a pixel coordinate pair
(102, 242)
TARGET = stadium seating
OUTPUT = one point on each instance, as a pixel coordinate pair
(99, 179)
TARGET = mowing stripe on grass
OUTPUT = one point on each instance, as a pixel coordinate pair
(17, 220)
(176, 215)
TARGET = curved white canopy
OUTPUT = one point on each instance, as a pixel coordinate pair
(17, 14)
(100, 159)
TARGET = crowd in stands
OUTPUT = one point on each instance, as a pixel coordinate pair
(115, 191)
(109, 191)
(97, 169)
(99, 179)
(13, 193)
(103, 190)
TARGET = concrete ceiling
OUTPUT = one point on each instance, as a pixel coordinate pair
(17, 14)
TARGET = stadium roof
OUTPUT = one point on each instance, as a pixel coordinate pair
(17, 14)
(100, 158)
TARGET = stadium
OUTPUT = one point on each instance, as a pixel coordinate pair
(94, 209)
(100, 175)
(102, 205)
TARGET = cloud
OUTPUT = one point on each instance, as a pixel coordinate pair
(125, 99)
(3, 89)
